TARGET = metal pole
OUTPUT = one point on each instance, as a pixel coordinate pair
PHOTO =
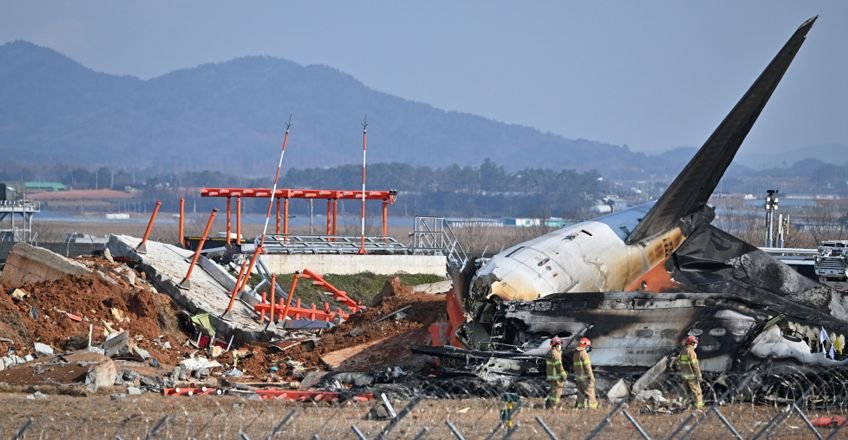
(276, 179)
(454, 430)
(727, 423)
(385, 219)
(142, 247)
(277, 226)
(807, 421)
(273, 301)
(229, 223)
(605, 420)
(547, 429)
(403, 413)
(182, 222)
(285, 216)
(238, 221)
(335, 217)
(240, 283)
(636, 425)
(329, 216)
(291, 295)
(279, 428)
(185, 283)
(362, 216)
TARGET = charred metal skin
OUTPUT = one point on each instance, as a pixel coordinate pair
(645, 277)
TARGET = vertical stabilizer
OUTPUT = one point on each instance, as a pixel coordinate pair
(695, 184)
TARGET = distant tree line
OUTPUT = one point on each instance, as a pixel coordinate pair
(485, 190)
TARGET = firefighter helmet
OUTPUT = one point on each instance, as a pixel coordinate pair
(555, 342)
(584, 342)
(692, 340)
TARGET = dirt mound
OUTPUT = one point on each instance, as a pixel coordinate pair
(60, 312)
(361, 328)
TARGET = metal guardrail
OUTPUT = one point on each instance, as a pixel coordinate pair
(431, 236)
(435, 234)
(20, 206)
(328, 244)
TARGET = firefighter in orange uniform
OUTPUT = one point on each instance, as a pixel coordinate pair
(690, 370)
(556, 373)
(583, 375)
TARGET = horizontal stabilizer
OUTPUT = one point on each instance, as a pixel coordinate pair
(693, 187)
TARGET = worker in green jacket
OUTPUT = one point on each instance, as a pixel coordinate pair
(584, 376)
(556, 373)
(690, 370)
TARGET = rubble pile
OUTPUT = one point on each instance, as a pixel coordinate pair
(96, 323)
(384, 342)
(60, 314)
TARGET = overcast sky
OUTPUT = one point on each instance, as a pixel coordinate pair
(652, 75)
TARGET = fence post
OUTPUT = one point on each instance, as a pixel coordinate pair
(142, 247)
(547, 428)
(780, 417)
(23, 429)
(403, 413)
(454, 430)
(279, 428)
(606, 420)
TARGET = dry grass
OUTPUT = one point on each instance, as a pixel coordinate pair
(225, 417)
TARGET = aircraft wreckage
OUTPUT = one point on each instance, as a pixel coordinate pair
(638, 281)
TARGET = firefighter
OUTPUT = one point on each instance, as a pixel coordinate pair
(583, 375)
(690, 370)
(556, 373)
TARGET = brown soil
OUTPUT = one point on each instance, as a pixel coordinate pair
(44, 317)
(397, 335)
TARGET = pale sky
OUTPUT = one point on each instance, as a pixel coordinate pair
(652, 75)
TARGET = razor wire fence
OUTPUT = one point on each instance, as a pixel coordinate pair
(742, 407)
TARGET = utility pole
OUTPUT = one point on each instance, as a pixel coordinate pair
(771, 205)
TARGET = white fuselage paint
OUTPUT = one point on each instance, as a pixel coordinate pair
(585, 257)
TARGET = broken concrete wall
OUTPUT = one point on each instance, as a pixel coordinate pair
(31, 264)
(166, 265)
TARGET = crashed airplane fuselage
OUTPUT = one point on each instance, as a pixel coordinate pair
(638, 281)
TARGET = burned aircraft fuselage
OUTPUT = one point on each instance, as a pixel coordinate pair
(642, 279)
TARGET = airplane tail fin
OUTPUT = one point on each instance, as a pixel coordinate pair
(695, 184)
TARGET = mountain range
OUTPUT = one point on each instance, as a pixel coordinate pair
(231, 116)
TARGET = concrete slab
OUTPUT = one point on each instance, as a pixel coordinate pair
(32, 264)
(166, 265)
(433, 288)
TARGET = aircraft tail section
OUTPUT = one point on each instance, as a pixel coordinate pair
(693, 187)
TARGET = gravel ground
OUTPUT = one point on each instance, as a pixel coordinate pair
(133, 417)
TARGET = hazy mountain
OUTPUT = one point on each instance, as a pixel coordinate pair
(835, 154)
(231, 116)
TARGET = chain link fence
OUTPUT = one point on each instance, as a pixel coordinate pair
(753, 405)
